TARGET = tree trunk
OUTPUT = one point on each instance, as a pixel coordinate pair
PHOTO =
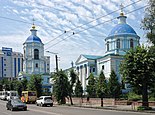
(144, 95)
(71, 99)
(101, 101)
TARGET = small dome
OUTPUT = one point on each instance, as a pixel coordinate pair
(122, 29)
(33, 38)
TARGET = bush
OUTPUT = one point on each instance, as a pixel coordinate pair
(133, 97)
(142, 108)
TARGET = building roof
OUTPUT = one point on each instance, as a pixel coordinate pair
(122, 29)
(93, 57)
(33, 38)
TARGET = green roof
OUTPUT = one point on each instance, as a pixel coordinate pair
(93, 57)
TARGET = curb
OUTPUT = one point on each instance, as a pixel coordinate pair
(110, 108)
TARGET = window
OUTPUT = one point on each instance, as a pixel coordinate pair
(93, 69)
(36, 54)
(131, 43)
(118, 43)
(4, 69)
(36, 65)
(102, 67)
(4, 64)
(108, 46)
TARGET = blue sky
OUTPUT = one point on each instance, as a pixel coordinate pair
(53, 17)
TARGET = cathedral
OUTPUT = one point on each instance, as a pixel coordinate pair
(121, 38)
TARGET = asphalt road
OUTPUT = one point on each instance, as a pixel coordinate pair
(63, 110)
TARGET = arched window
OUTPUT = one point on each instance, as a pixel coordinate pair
(108, 46)
(36, 54)
(118, 43)
(131, 43)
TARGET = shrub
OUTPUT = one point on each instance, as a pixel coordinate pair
(133, 97)
(142, 108)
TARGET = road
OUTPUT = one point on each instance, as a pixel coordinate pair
(63, 110)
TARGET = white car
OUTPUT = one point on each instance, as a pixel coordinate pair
(44, 101)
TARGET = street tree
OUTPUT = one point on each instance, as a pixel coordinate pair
(72, 81)
(35, 84)
(114, 87)
(78, 89)
(61, 86)
(91, 87)
(101, 87)
(148, 23)
(24, 83)
(138, 69)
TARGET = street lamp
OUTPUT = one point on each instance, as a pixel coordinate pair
(56, 59)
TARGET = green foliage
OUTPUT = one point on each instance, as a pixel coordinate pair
(72, 81)
(61, 86)
(133, 96)
(114, 87)
(101, 85)
(35, 84)
(148, 22)
(138, 68)
(91, 87)
(78, 89)
(142, 108)
(24, 83)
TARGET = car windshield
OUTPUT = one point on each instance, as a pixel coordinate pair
(31, 93)
(16, 101)
(14, 94)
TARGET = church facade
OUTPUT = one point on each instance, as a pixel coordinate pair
(34, 61)
(121, 38)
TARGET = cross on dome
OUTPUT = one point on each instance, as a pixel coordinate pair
(121, 7)
(33, 26)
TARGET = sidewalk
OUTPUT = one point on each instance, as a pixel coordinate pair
(116, 107)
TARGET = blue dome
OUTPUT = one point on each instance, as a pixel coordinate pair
(122, 29)
(33, 38)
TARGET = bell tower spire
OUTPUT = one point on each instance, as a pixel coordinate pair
(33, 30)
(122, 17)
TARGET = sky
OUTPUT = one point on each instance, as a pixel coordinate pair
(56, 20)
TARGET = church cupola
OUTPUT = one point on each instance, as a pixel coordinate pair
(33, 37)
(33, 30)
(122, 37)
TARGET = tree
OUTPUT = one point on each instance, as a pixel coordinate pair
(148, 23)
(72, 81)
(78, 89)
(101, 87)
(24, 83)
(114, 87)
(137, 70)
(91, 87)
(61, 86)
(35, 84)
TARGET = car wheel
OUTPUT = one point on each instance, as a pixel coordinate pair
(11, 108)
(25, 109)
(51, 105)
(41, 105)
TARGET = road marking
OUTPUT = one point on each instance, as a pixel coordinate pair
(51, 113)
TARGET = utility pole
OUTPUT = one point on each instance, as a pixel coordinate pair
(56, 59)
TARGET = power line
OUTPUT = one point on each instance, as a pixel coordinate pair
(93, 26)
(104, 16)
(81, 26)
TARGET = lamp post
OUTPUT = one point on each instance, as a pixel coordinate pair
(56, 59)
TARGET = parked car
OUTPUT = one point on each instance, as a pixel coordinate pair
(44, 101)
(16, 104)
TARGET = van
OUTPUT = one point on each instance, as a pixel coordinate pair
(12, 95)
(29, 96)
